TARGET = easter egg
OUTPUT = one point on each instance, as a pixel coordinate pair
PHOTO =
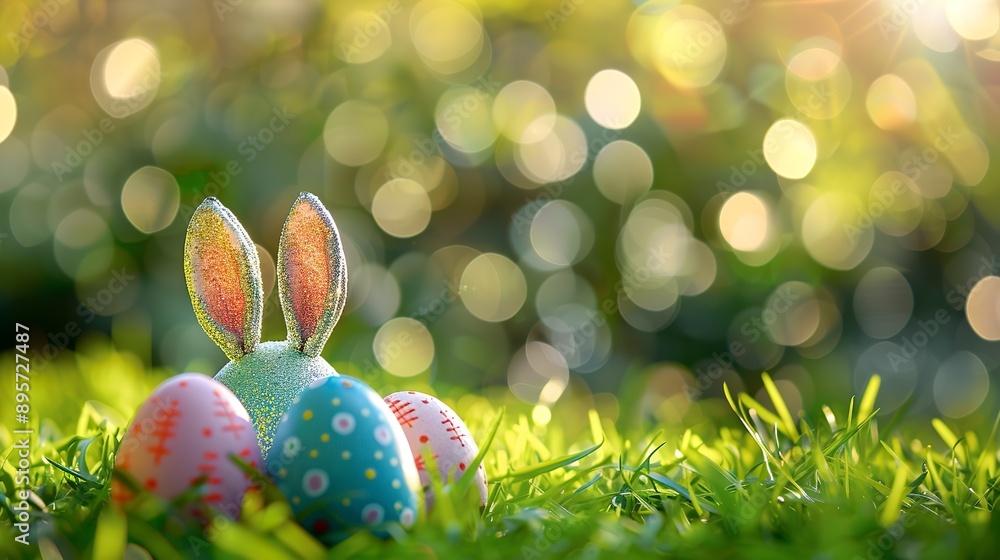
(343, 462)
(185, 433)
(430, 425)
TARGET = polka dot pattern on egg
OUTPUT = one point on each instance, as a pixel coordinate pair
(345, 461)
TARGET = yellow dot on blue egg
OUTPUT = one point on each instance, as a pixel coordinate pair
(324, 438)
(313, 453)
(365, 412)
(378, 455)
(346, 502)
(397, 506)
(394, 462)
(396, 483)
(347, 384)
(335, 402)
(345, 455)
(307, 415)
(370, 474)
(282, 473)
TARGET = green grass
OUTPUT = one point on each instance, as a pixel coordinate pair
(757, 483)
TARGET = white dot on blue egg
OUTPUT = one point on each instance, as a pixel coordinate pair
(383, 435)
(372, 514)
(315, 482)
(343, 423)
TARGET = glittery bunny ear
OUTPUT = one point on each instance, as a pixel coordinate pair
(223, 278)
(312, 274)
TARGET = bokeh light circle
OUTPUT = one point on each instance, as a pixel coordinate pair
(961, 385)
(404, 347)
(623, 171)
(983, 308)
(150, 199)
(126, 76)
(524, 111)
(612, 99)
(8, 112)
(402, 208)
(790, 148)
(745, 221)
(355, 133)
(493, 288)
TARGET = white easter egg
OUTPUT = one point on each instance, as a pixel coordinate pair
(429, 424)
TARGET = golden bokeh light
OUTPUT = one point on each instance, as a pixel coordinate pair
(493, 288)
(464, 117)
(150, 199)
(561, 233)
(538, 374)
(524, 112)
(448, 37)
(690, 46)
(612, 99)
(790, 148)
(404, 347)
(983, 308)
(973, 20)
(402, 208)
(623, 171)
(814, 63)
(126, 76)
(930, 25)
(745, 221)
(834, 233)
(362, 36)
(355, 133)
(557, 156)
(8, 112)
(792, 314)
(891, 103)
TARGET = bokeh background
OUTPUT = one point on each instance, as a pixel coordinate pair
(572, 202)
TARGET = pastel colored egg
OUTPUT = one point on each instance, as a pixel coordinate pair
(343, 462)
(432, 426)
(185, 433)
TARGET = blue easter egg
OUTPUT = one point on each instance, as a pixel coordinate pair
(343, 462)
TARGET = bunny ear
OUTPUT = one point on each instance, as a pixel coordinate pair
(312, 274)
(223, 278)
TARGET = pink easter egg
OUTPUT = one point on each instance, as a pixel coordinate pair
(186, 432)
(429, 424)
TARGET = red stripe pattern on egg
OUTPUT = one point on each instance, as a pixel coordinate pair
(432, 427)
(183, 435)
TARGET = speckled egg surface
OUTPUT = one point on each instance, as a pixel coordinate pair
(343, 462)
(187, 430)
(268, 379)
(430, 424)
